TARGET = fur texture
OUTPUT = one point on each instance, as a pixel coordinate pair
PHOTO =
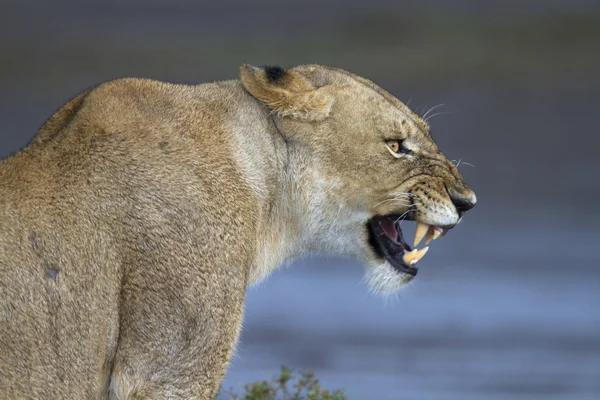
(132, 225)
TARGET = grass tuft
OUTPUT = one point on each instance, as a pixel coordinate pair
(287, 386)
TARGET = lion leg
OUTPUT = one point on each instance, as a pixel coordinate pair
(177, 334)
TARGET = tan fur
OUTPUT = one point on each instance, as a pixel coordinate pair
(294, 96)
(132, 225)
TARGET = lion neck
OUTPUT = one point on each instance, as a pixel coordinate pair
(288, 209)
(301, 217)
(296, 213)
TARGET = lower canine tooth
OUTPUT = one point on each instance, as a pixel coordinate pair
(419, 254)
(408, 257)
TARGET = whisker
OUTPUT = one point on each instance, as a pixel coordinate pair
(457, 163)
(403, 194)
(401, 217)
(433, 115)
(386, 200)
(401, 198)
(431, 109)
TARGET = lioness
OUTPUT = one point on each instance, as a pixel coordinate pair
(132, 224)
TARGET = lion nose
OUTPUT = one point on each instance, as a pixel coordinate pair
(464, 203)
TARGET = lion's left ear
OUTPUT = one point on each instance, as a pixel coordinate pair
(287, 92)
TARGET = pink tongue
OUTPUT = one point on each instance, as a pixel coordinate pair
(389, 227)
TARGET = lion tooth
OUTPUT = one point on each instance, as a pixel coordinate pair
(429, 236)
(432, 234)
(420, 232)
(419, 255)
(408, 257)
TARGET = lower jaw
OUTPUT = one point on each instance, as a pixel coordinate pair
(392, 253)
(407, 271)
(387, 241)
(384, 279)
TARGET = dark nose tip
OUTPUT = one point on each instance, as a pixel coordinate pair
(463, 204)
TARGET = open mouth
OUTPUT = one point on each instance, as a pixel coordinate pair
(385, 236)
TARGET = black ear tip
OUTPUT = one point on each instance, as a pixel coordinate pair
(274, 73)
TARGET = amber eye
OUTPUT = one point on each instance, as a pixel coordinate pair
(396, 148)
(394, 145)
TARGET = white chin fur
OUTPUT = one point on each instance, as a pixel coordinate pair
(383, 279)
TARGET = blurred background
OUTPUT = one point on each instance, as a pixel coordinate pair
(505, 307)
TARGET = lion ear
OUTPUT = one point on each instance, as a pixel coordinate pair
(287, 92)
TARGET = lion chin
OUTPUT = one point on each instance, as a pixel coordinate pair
(387, 241)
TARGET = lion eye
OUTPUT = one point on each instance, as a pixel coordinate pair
(396, 148)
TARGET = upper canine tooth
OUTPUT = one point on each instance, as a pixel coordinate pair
(420, 232)
(432, 234)
(408, 257)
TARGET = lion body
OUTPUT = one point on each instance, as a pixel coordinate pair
(131, 227)
(106, 219)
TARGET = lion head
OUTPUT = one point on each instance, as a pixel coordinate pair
(359, 161)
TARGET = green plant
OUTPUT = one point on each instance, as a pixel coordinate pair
(288, 387)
